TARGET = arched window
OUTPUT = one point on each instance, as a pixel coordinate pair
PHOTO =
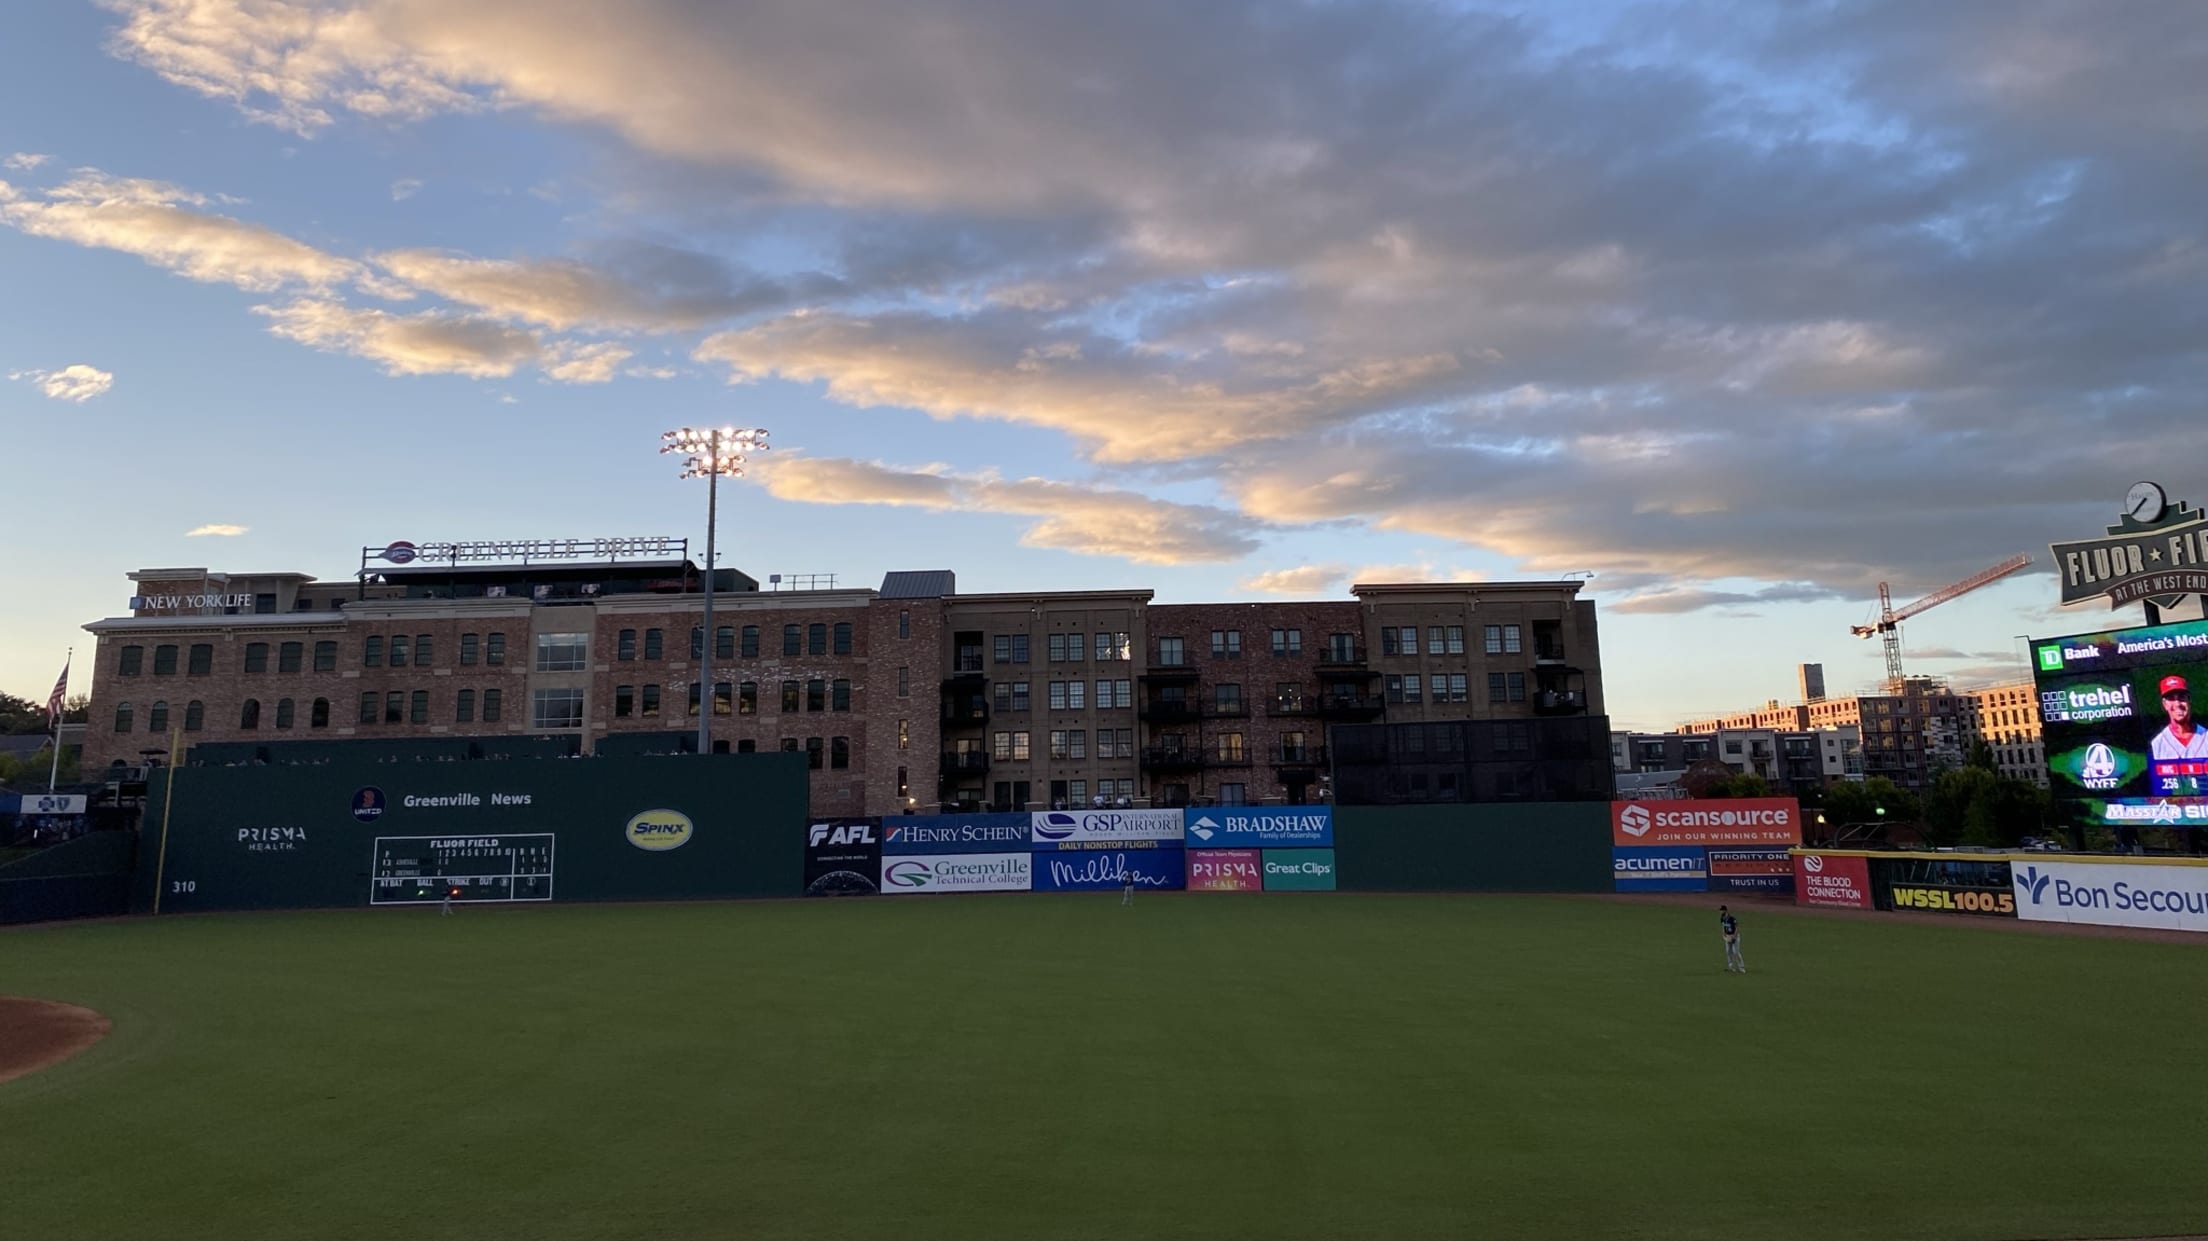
(249, 715)
(195, 715)
(286, 714)
(122, 717)
(157, 720)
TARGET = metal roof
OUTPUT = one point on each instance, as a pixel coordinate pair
(919, 584)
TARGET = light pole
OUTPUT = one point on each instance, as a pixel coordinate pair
(709, 453)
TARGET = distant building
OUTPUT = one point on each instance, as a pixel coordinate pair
(2006, 718)
(1906, 736)
(1793, 760)
(1813, 682)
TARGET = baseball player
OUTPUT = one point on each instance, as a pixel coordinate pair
(1126, 885)
(1730, 927)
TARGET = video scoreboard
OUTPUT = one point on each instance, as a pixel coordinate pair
(427, 869)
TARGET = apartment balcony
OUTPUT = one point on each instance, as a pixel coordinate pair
(1239, 709)
(1548, 653)
(1341, 655)
(1172, 758)
(1561, 702)
(1182, 669)
(965, 763)
(1292, 704)
(1299, 757)
(1168, 712)
(1228, 758)
(1350, 706)
(968, 714)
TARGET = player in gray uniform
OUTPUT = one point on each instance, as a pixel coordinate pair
(1126, 885)
(1730, 927)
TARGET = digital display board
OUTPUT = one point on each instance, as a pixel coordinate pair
(2125, 744)
(417, 869)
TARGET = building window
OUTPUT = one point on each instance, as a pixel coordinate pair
(1058, 743)
(1233, 795)
(1057, 695)
(650, 707)
(747, 698)
(494, 703)
(424, 654)
(249, 715)
(697, 642)
(1172, 652)
(816, 639)
(1020, 752)
(371, 706)
(624, 645)
(1114, 646)
(904, 735)
(202, 659)
(1455, 690)
(1506, 686)
(789, 696)
(1452, 640)
(904, 624)
(287, 657)
(133, 658)
(812, 753)
(793, 639)
(694, 692)
(286, 713)
(1077, 695)
(562, 652)
(724, 694)
(904, 782)
(417, 709)
(494, 652)
(157, 719)
(1231, 748)
(195, 715)
(839, 752)
(1287, 642)
(843, 639)
(1226, 698)
(655, 644)
(1123, 744)
(1433, 640)
(1077, 744)
(1000, 747)
(122, 717)
(624, 701)
(463, 707)
(556, 708)
(164, 660)
(751, 642)
(468, 644)
(1226, 644)
(319, 715)
(816, 695)
(256, 657)
(904, 682)
(398, 650)
(839, 695)
(394, 707)
(1058, 648)
(1503, 640)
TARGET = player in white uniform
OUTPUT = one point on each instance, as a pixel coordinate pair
(2183, 737)
(1729, 927)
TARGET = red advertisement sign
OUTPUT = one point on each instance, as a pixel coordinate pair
(1225, 870)
(1714, 821)
(1832, 879)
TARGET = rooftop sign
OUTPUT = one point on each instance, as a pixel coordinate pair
(527, 551)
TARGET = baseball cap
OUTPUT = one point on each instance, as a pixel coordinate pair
(2174, 685)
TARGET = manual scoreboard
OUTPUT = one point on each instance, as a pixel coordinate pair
(416, 869)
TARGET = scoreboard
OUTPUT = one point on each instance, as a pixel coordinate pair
(426, 869)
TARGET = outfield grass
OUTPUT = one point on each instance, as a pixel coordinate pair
(1315, 1066)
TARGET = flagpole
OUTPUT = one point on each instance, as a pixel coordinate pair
(53, 774)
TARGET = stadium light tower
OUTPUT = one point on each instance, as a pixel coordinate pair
(709, 453)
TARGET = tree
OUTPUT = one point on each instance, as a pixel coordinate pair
(31, 770)
(20, 717)
(1981, 756)
(1745, 784)
(1876, 800)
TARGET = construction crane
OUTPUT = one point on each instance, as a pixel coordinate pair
(1889, 619)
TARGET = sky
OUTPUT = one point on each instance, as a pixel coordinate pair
(1741, 309)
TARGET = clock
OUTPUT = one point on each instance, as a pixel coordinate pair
(2145, 502)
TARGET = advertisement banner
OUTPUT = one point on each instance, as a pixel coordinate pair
(930, 874)
(1098, 870)
(1970, 885)
(1671, 868)
(843, 857)
(1299, 870)
(1707, 821)
(1833, 880)
(1751, 870)
(953, 833)
(1052, 827)
(1225, 870)
(1261, 827)
(2165, 897)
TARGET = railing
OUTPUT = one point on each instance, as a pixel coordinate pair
(1171, 758)
(1291, 704)
(1239, 709)
(1300, 756)
(1350, 705)
(968, 663)
(1168, 712)
(1228, 758)
(1548, 652)
(966, 713)
(965, 762)
(1341, 653)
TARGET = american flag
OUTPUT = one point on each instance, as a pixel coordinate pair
(53, 703)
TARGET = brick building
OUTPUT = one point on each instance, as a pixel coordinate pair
(912, 696)
(1907, 736)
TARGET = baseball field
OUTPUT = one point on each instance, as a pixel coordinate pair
(1059, 1067)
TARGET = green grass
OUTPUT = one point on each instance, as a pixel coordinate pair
(1329, 1066)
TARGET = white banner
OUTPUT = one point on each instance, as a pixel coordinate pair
(53, 803)
(2168, 897)
(1052, 827)
(923, 874)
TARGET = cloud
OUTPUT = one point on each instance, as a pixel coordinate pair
(24, 160)
(76, 383)
(221, 531)
(423, 344)
(405, 188)
(1310, 579)
(586, 364)
(160, 223)
(1670, 298)
(1093, 521)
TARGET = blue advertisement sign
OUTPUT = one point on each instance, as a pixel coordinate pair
(1661, 868)
(954, 833)
(1260, 827)
(1098, 870)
